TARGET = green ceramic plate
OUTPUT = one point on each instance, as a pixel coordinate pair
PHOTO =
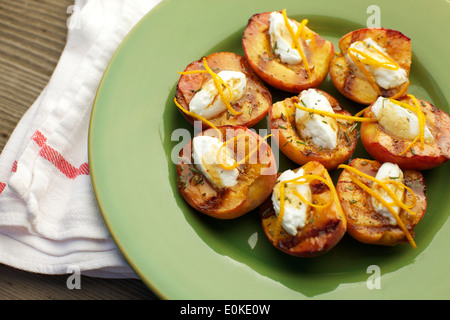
(181, 254)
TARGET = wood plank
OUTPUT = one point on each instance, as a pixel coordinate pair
(16, 284)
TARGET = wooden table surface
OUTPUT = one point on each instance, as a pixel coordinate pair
(32, 37)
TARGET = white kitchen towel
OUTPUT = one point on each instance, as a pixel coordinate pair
(49, 219)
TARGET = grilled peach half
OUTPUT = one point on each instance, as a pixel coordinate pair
(363, 222)
(355, 85)
(256, 175)
(250, 108)
(287, 77)
(325, 224)
(283, 126)
(385, 147)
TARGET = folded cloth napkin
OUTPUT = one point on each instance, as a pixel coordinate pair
(49, 219)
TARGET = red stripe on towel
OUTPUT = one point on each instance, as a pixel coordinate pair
(2, 184)
(57, 159)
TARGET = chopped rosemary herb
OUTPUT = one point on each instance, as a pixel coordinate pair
(353, 127)
(199, 180)
(265, 212)
(194, 170)
(347, 137)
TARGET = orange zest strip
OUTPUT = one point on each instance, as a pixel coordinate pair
(391, 65)
(360, 113)
(401, 185)
(238, 163)
(218, 83)
(296, 43)
(409, 146)
(363, 69)
(306, 179)
(221, 164)
(420, 116)
(391, 194)
(383, 185)
(192, 72)
(196, 116)
(402, 91)
(335, 115)
(300, 28)
(387, 205)
(277, 230)
(386, 56)
(422, 120)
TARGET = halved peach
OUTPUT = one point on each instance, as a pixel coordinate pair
(384, 147)
(257, 175)
(301, 151)
(252, 106)
(354, 85)
(324, 227)
(363, 222)
(288, 77)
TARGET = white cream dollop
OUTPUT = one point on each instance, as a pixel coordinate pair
(204, 153)
(388, 172)
(295, 210)
(322, 131)
(398, 121)
(208, 103)
(384, 77)
(281, 40)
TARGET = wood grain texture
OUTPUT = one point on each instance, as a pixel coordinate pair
(32, 37)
